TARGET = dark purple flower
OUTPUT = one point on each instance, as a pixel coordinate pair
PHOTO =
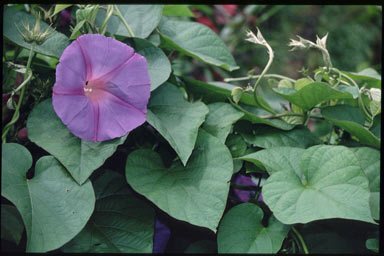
(161, 237)
(244, 195)
(102, 88)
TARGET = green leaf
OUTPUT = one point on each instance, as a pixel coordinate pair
(196, 40)
(220, 118)
(55, 44)
(121, 223)
(76, 30)
(368, 76)
(267, 137)
(80, 157)
(177, 10)
(372, 244)
(176, 119)
(284, 83)
(159, 67)
(256, 116)
(321, 183)
(60, 7)
(141, 18)
(53, 206)
(215, 91)
(241, 231)
(11, 224)
(196, 193)
(351, 119)
(369, 160)
(301, 83)
(376, 126)
(311, 95)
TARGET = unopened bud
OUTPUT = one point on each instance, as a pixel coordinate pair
(236, 94)
(35, 34)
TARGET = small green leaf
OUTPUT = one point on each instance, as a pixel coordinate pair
(53, 206)
(375, 107)
(76, 30)
(177, 10)
(215, 91)
(267, 137)
(159, 67)
(241, 231)
(311, 95)
(220, 118)
(11, 224)
(121, 223)
(55, 44)
(60, 7)
(80, 157)
(142, 19)
(176, 119)
(301, 83)
(323, 182)
(196, 40)
(372, 244)
(351, 119)
(196, 193)
(284, 83)
(369, 160)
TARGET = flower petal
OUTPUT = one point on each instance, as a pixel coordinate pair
(76, 112)
(117, 118)
(103, 54)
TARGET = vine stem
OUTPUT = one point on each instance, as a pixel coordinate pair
(118, 13)
(301, 240)
(256, 76)
(16, 114)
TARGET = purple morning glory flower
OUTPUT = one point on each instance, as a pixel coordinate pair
(102, 88)
(244, 195)
(161, 237)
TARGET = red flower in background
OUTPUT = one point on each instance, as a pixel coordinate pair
(205, 20)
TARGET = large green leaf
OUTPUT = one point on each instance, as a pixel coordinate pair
(53, 206)
(241, 231)
(11, 224)
(215, 91)
(369, 160)
(55, 44)
(321, 183)
(351, 119)
(220, 118)
(196, 40)
(196, 193)
(177, 10)
(121, 223)
(176, 119)
(368, 76)
(159, 67)
(267, 137)
(141, 18)
(329, 183)
(311, 95)
(80, 157)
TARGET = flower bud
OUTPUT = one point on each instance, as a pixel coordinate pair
(35, 35)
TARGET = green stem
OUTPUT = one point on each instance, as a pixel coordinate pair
(118, 13)
(16, 114)
(290, 114)
(304, 246)
(251, 77)
(109, 12)
(270, 60)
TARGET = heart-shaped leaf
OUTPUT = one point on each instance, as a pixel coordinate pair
(268, 137)
(53, 206)
(351, 119)
(220, 118)
(321, 182)
(80, 157)
(241, 231)
(159, 67)
(311, 95)
(176, 119)
(196, 40)
(142, 19)
(11, 224)
(369, 160)
(55, 44)
(121, 223)
(196, 193)
(368, 76)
